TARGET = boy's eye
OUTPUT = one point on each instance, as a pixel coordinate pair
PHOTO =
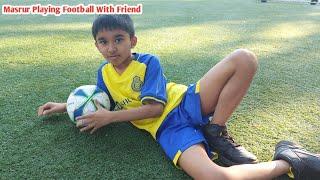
(118, 40)
(103, 42)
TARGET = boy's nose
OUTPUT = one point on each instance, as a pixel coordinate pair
(112, 48)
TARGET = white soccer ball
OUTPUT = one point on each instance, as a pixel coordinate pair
(81, 101)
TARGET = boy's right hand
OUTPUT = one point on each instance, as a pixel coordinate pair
(51, 108)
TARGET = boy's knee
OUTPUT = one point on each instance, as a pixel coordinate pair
(246, 59)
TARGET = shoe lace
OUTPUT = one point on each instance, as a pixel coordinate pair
(229, 139)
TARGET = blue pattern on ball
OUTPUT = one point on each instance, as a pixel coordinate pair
(80, 92)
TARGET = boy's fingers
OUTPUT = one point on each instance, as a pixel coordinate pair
(84, 117)
(80, 123)
(83, 122)
(44, 109)
(86, 128)
(40, 110)
(93, 130)
(45, 112)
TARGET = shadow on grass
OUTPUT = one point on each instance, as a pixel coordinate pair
(54, 119)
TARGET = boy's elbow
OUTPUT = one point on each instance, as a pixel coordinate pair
(157, 110)
(153, 109)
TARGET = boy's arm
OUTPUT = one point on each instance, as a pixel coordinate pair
(51, 108)
(150, 110)
(103, 117)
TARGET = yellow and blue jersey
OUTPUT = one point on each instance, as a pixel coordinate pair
(142, 80)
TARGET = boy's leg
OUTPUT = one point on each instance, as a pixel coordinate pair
(223, 86)
(304, 165)
(195, 162)
(221, 90)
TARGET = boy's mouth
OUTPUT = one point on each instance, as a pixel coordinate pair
(113, 57)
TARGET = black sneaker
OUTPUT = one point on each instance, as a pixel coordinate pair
(305, 165)
(283, 177)
(230, 153)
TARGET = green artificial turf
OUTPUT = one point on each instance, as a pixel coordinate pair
(45, 58)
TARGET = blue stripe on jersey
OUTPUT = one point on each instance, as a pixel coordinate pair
(155, 81)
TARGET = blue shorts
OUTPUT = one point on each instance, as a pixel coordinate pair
(182, 127)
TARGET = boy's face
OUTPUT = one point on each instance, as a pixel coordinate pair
(115, 46)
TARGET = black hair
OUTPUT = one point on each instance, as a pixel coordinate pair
(111, 22)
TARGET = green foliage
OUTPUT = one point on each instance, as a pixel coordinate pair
(44, 58)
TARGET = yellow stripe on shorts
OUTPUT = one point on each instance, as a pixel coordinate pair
(176, 157)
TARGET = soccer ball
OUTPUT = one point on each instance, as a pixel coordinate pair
(81, 101)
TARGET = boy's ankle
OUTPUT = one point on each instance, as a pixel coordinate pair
(217, 122)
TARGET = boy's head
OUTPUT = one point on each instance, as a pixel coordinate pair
(112, 22)
(114, 38)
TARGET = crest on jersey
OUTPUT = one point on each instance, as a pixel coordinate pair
(136, 84)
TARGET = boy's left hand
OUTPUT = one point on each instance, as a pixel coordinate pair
(95, 120)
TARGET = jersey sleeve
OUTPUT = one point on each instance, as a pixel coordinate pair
(154, 86)
(101, 84)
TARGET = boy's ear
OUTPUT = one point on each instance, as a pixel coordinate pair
(134, 40)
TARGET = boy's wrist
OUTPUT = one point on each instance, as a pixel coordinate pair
(64, 107)
(113, 116)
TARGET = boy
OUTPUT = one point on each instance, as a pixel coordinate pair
(176, 115)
